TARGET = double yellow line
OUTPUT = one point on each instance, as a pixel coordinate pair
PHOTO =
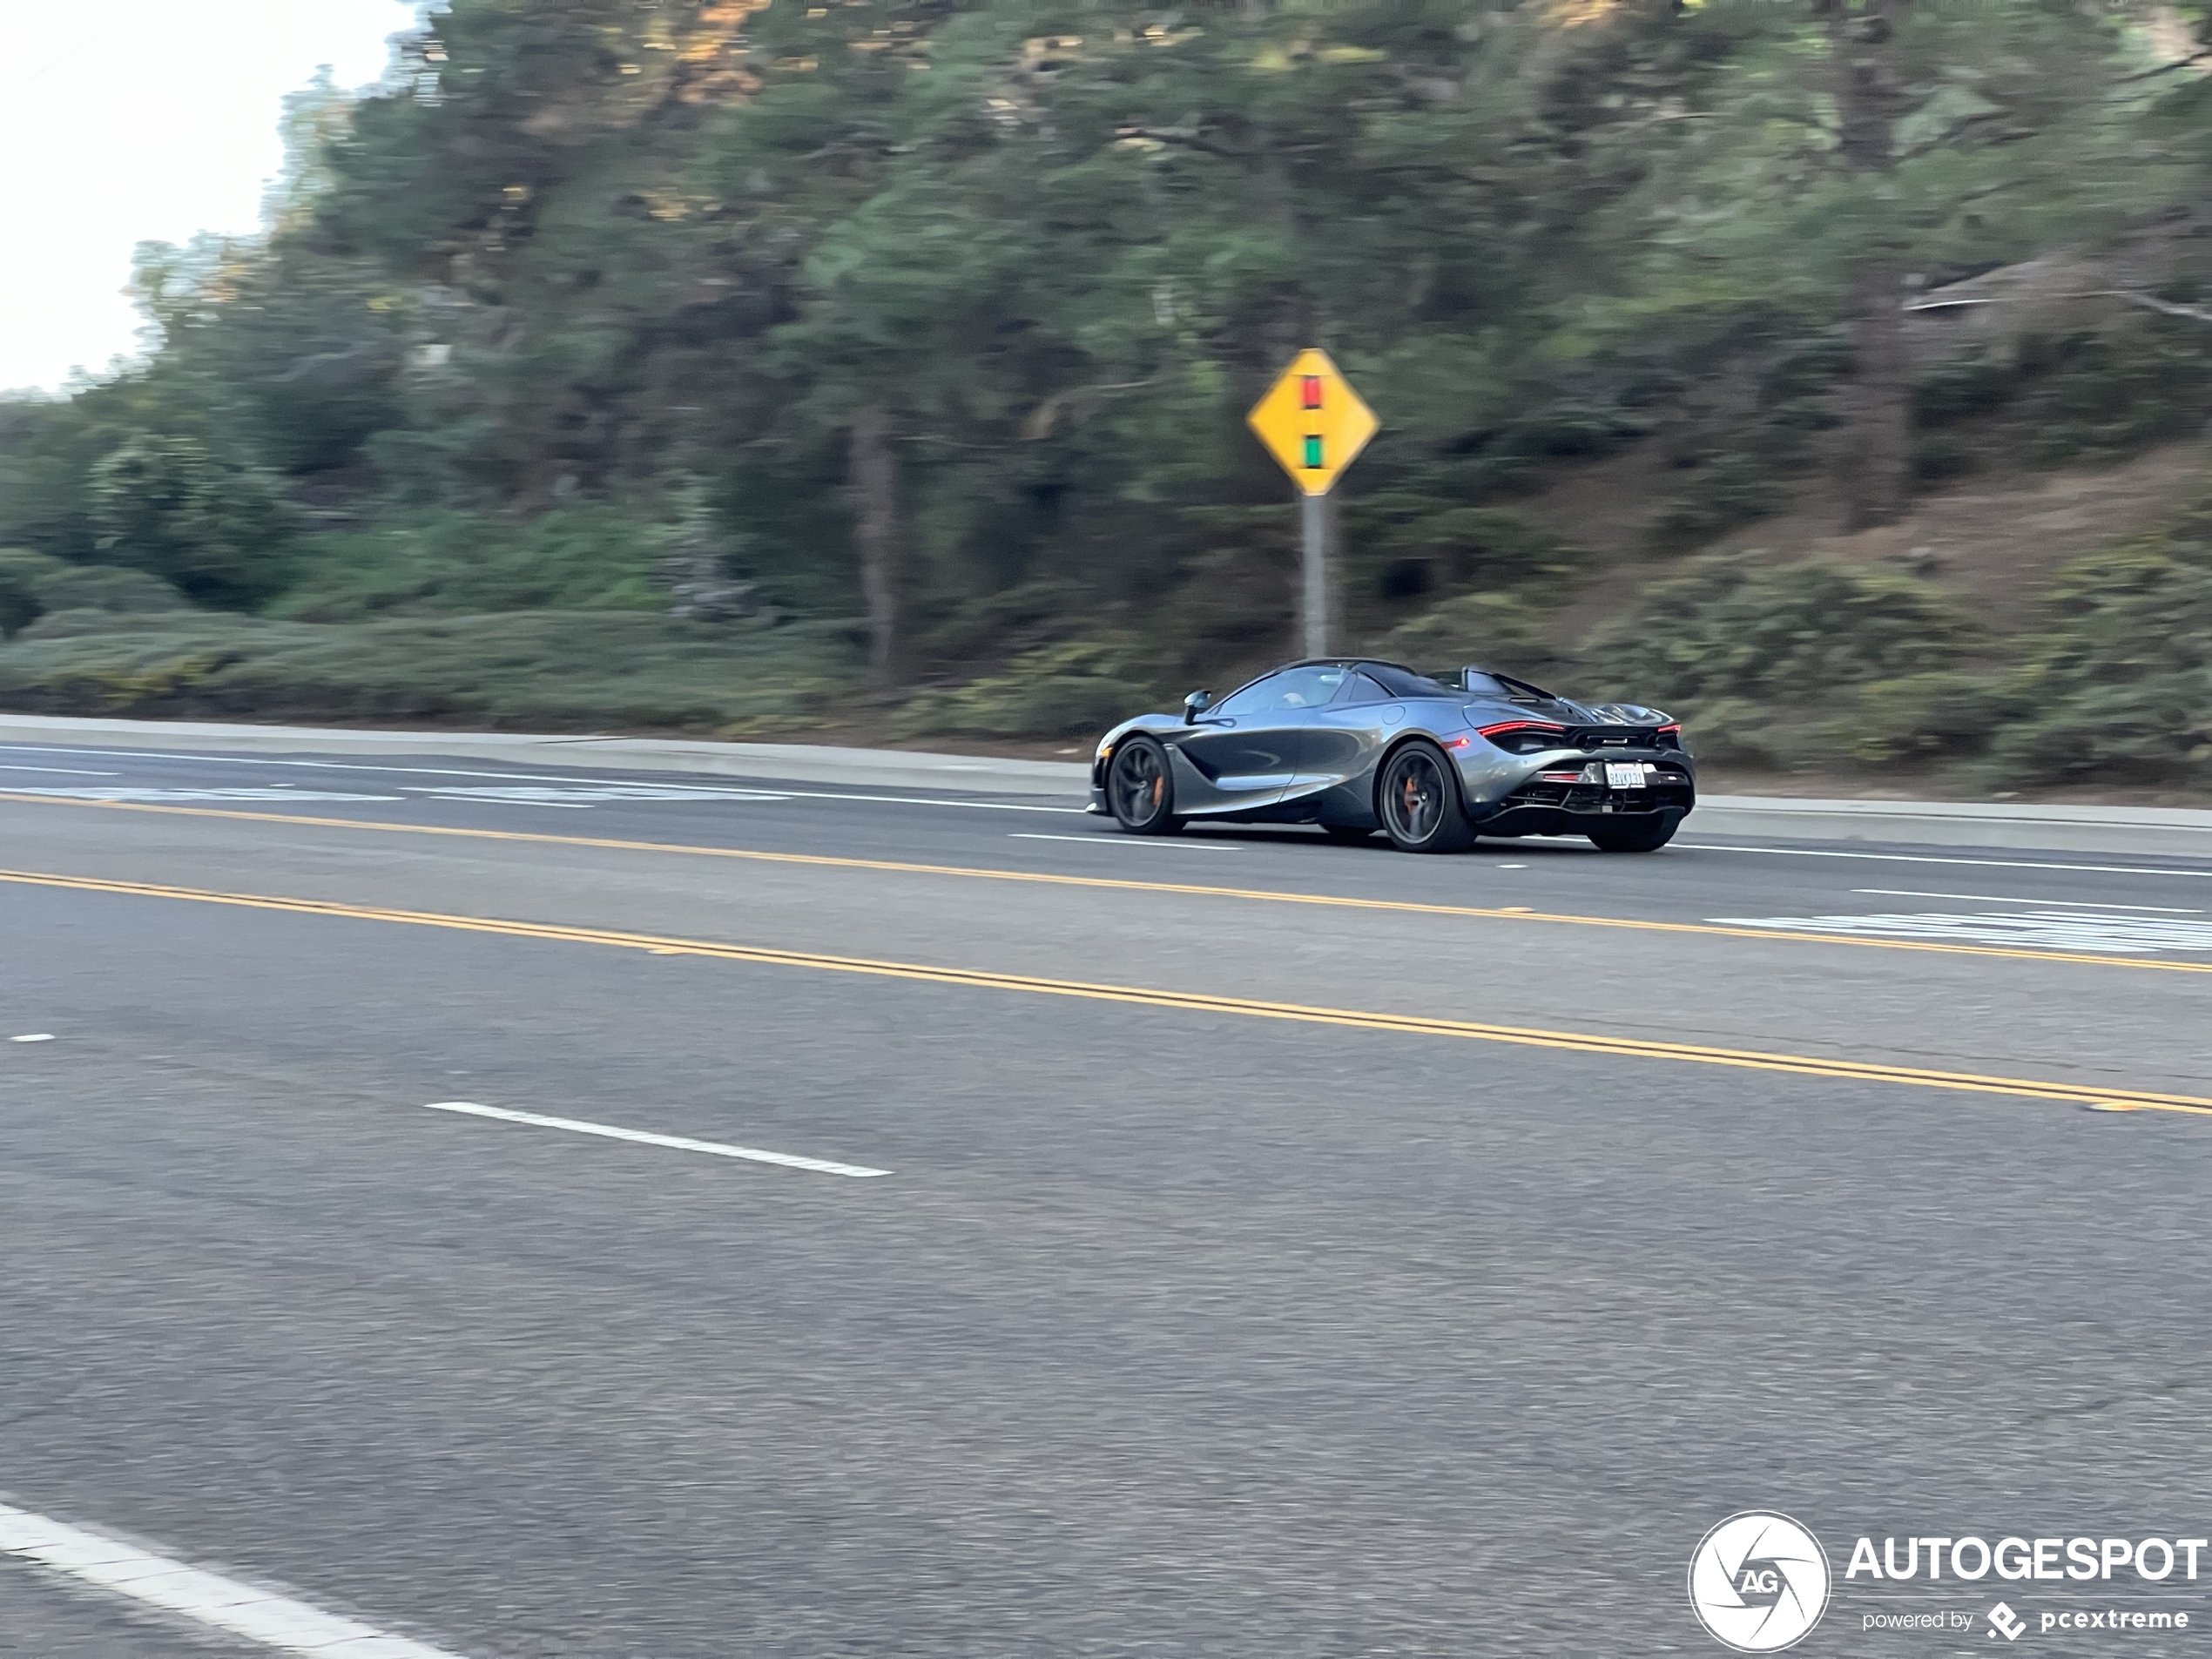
(1355, 1018)
(1045, 877)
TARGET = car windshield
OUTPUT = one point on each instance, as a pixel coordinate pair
(1403, 682)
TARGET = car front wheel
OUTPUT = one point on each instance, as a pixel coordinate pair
(1140, 790)
(1419, 802)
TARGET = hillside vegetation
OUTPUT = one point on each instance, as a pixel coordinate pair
(706, 365)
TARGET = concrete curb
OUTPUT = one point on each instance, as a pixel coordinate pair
(2143, 831)
(798, 763)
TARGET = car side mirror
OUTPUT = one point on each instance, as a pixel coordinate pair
(1196, 704)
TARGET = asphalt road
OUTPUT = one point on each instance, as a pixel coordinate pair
(1280, 1248)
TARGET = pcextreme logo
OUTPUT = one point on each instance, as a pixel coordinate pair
(1758, 1581)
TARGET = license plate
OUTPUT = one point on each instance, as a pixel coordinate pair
(1624, 774)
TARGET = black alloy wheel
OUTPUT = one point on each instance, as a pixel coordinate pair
(1139, 790)
(1419, 802)
(1644, 840)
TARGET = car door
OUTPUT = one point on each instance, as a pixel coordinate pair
(1342, 740)
(1243, 751)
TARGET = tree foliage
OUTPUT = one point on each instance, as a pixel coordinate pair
(947, 311)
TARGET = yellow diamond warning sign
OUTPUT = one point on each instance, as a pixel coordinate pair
(1312, 422)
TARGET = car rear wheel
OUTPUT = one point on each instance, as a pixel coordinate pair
(1140, 790)
(1634, 840)
(1419, 802)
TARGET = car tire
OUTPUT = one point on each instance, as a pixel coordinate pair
(1418, 800)
(1636, 841)
(1140, 788)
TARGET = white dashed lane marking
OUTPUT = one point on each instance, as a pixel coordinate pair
(2054, 929)
(1931, 858)
(543, 795)
(260, 1615)
(646, 1138)
(2062, 904)
(273, 792)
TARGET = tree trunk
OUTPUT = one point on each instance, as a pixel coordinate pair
(1877, 458)
(1876, 469)
(874, 475)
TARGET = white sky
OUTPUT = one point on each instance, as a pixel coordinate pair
(129, 121)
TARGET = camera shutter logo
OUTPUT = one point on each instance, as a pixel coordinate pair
(1758, 1582)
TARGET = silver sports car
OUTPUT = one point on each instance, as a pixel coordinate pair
(1358, 747)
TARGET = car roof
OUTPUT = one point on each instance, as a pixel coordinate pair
(1503, 687)
(1343, 662)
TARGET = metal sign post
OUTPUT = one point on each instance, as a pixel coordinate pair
(1314, 527)
(1314, 425)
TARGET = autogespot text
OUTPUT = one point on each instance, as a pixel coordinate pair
(2079, 1559)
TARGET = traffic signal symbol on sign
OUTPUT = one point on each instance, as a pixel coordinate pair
(1312, 422)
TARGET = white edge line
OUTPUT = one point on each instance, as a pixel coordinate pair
(2058, 904)
(675, 791)
(646, 1138)
(518, 777)
(1923, 858)
(260, 1615)
(66, 771)
(501, 800)
(1124, 841)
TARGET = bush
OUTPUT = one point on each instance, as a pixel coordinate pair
(1940, 456)
(1498, 630)
(1969, 385)
(577, 558)
(1731, 489)
(548, 669)
(20, 571)
(1073, 690)
(2122, 686)
(1921, 715)
(2118, 390)
(1734, 731)
(217, 528)
(1738, 625)
(32, 585)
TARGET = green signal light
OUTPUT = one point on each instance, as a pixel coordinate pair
(1313, 453)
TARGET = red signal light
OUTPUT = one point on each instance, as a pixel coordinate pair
(1310, 391)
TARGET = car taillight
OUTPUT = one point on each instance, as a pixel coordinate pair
(1524, 737)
